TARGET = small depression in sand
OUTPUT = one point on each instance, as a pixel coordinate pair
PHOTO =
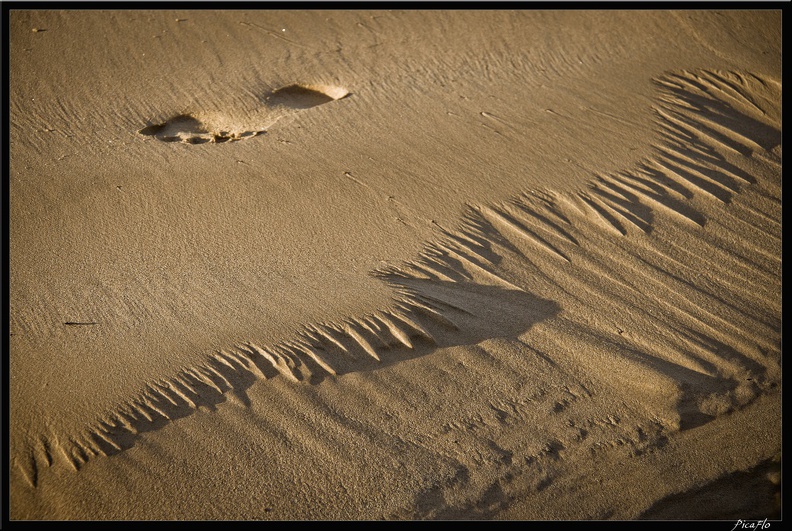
(189, 129)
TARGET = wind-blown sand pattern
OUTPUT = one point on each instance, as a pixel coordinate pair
(593, 344)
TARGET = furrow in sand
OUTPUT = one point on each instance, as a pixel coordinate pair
(751, 286)
(467, 235)
(690, 85)
(710, 160)
(174, 388)
(617, 208)
(204, 375)
(661, 200)
(742, 267)
(769, 158)
(183, 384)
(387, 319)
(527, 209)
(415, 301)
(433, 301)
(729, 361)
(44, 449)
(504, 221)
(248, 354)
(441, 267)
(326, 335)
(104, 438)
(277, 361)
(766, 205)
(292, 361)
(426, 268)
(702, 313)
(714, 128)
(699, 183)
(404, 315)
(211, 369)
(605, 218)
(646, 173)
(460, 248)
(624, 195)
(162, 391)
(314, 355)
(676, 137)
(376, 330)
(719, 136)
(736, 90)
(475, 267)
(77, 453)
(150, 400)
(548, 204)
(640, 271)
(360, 340)
(673, 299)
(715, 176)
(126, 416)
(748, 249)
(294, 350)
(30, 469)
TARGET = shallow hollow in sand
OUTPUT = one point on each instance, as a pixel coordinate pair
(216, 128)
(301, 97)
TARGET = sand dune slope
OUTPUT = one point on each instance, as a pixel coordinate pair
(512, 274)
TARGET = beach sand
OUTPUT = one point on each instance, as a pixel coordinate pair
(400, 265)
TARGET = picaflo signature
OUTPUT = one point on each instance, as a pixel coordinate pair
(751, 524)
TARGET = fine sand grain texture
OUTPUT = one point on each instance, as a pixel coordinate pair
(401, 265)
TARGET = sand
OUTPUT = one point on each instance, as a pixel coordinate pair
(400, 265)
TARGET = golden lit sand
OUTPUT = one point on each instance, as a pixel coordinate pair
(403, 265)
